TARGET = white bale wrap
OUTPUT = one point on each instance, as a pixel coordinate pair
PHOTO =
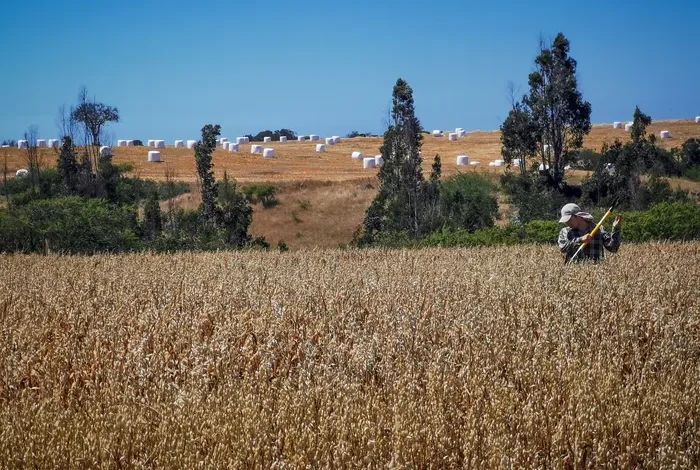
(320, 148)
(462, 160)
(256, 149)
(378, 160)
(628, 127)
(233, 147)
(665, 134)
(617, 125)
(41, 143)
(129, 143)
(268, 153)
(437, 133)
(22, 144)
(336, 139)
(515, 162)
(267, 139)
(330, 141)
(121, 143)
(151, 143)
(283, 139)
(499, 162)
(301, 138)
(53, 143)
(357, 155)
(153, 156)
(314, 137)
(474, 163)
(179, 144)
(105, 151)
(159, 144)
(191, 143)
(697, 119)
(543, 167)
(547, 149)
(369, 162)
(22, 173)
(240, 140)
(452, 136)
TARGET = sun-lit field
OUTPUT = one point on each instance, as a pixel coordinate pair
(442, 358)
(298, 161)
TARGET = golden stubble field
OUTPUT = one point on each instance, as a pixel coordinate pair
(471, 358)
(298, 161)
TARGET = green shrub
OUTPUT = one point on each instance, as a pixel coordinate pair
(468, 202)
(665, 221)
(261, 193)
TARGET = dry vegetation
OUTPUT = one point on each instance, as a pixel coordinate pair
(297, 161)
(444, 358)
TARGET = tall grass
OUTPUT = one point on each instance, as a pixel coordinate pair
(493, 357)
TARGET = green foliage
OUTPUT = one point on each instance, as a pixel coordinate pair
(468, 202)
(275, 135)
(401, 201)
(664, 221)
(692, 173)
(587, 159)
(533, 197)
(353, 134)
(69, 224)
(553, 113)
(202, 155)
(152, 220)
(266, 194)
(234, 213)
(690, 153)
(93, 116)
(282, 246)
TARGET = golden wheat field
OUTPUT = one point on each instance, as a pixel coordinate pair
(459, 358)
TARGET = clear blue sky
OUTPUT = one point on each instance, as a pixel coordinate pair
(329, 67)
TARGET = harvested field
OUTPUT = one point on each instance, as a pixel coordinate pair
(297, 161)
(443, 358)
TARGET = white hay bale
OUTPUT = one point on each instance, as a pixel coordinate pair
(665, 134)
(515, 162)
(41, 143)
(233, 147)
(330, 141)
(628, 126)
(105, 151)
(22, 173)
(283, 139)
(191, 144)
(301, 138)
(336, 139)
(5, 146)
(320, 148)
(378, 160)
(179, 144)
(314, 137)
(151, 143)
(53, 143)
(697, 119)
(153, 156)
(121, 143)
(610, 169)
(267, 139)
(492, 163)
(452, 136)
(462, 160)
(159, 144)
(268, 153)
(543, 167)
(567, 167)
(499, 162)
(474, 164)
(22, 144)
(437, 133)
(258, 149)
(458, 130)
(357, 155)
(240, 140)
(547, 149)
(617, 125)
(129, 143)
(369, 162)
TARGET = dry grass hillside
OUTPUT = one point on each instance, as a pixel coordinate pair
(338, 359)
(298, 161)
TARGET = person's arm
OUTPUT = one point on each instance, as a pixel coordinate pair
(611, 241)
(568, 243)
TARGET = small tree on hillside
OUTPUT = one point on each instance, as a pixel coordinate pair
(68, 164)
(152, 218)
(93, 116)
(202, 155)
(553, 113)
(397, 206)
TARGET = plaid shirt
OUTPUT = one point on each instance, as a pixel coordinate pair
(570, 240)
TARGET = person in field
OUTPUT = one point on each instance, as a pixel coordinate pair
(578, 227)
